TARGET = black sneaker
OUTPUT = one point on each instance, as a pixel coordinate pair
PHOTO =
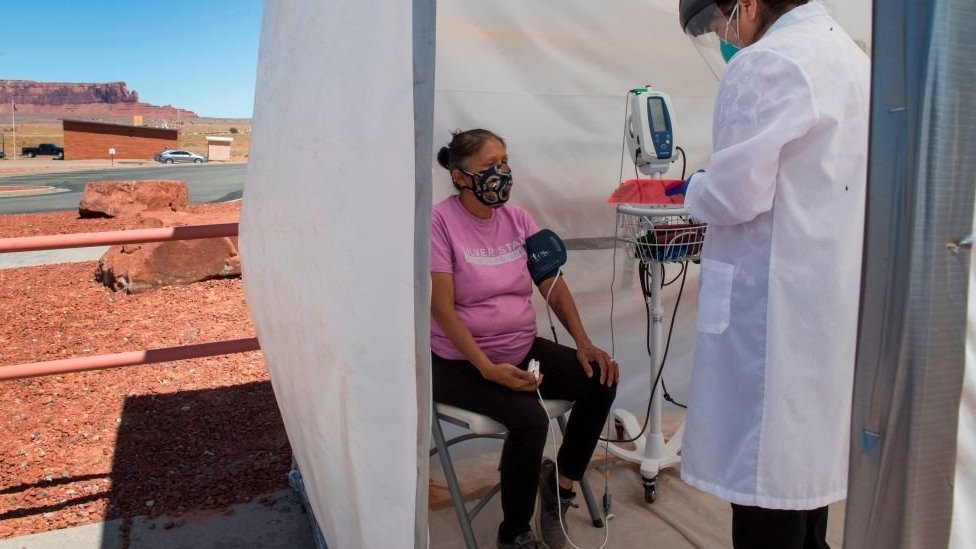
(553, 509)
(525, 540)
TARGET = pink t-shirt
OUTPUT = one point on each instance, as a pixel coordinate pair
(492, 286)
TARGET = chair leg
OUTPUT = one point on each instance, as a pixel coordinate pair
(452, 485)
(596, 515)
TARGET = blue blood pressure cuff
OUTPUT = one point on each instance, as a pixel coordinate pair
(546, 254)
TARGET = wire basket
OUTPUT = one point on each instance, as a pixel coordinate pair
(668, 238)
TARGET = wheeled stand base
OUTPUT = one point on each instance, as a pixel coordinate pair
(650, 451)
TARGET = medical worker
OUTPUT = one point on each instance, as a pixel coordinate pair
(784, 195)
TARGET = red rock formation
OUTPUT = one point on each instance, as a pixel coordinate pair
(140, 267)
(62, 93)
(106, 101)
(129, 198)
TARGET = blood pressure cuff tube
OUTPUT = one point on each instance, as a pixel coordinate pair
(546, 254)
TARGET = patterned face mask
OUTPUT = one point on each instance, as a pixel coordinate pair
(493, 186)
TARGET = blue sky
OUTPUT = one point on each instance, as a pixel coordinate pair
(200, 55)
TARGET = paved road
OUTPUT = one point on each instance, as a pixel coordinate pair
(206, 182)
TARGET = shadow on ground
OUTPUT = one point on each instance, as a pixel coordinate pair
(182, 453)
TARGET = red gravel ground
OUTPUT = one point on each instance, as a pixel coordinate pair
(140, 440)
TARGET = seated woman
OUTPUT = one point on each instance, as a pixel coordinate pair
(483, 335)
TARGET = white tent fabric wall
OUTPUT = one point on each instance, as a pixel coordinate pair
(327, 242)
(552, 80)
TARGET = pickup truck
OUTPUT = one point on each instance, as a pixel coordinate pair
(49, 149)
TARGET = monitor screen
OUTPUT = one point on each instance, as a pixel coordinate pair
(655, 110)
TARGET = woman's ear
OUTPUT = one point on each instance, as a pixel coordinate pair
(749, 10)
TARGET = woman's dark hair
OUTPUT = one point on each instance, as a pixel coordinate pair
(776, 9)
(779, 7)
(463, 146)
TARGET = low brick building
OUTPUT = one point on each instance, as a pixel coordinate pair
(84, 140)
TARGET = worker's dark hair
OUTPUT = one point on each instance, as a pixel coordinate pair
(464, 145)
(774, 9)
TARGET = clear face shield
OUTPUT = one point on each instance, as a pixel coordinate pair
(714, 32)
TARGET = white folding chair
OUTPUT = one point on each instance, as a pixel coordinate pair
(481, 426)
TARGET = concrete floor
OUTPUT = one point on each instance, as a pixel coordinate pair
(682, 517)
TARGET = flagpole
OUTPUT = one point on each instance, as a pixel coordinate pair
(13, 122)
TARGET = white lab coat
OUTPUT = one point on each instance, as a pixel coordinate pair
(769, 416)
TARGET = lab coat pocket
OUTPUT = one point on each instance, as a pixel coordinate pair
(714, 296)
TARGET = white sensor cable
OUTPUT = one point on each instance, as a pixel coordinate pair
(559, 503)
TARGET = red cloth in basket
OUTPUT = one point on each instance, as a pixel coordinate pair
(645, 191)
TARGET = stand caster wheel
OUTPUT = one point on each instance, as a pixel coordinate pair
(650, 490)
(650, 494)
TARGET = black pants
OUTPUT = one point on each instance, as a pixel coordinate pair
(458, 383)
(758, 528)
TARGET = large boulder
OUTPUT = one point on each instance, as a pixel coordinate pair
(128, 198)
(140, 267)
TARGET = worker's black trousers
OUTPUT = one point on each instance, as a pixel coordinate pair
(758, 528)
(458, 383)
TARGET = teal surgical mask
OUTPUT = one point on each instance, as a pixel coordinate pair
(728, 50)
(726, 45)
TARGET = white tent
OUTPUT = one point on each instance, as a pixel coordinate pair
(334, 227)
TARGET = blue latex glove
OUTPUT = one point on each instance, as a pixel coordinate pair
(681, 188)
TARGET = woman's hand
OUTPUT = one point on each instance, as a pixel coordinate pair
(609, 373)
(511, 376)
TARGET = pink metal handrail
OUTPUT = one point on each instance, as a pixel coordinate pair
(109, 238)
(132, 358)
